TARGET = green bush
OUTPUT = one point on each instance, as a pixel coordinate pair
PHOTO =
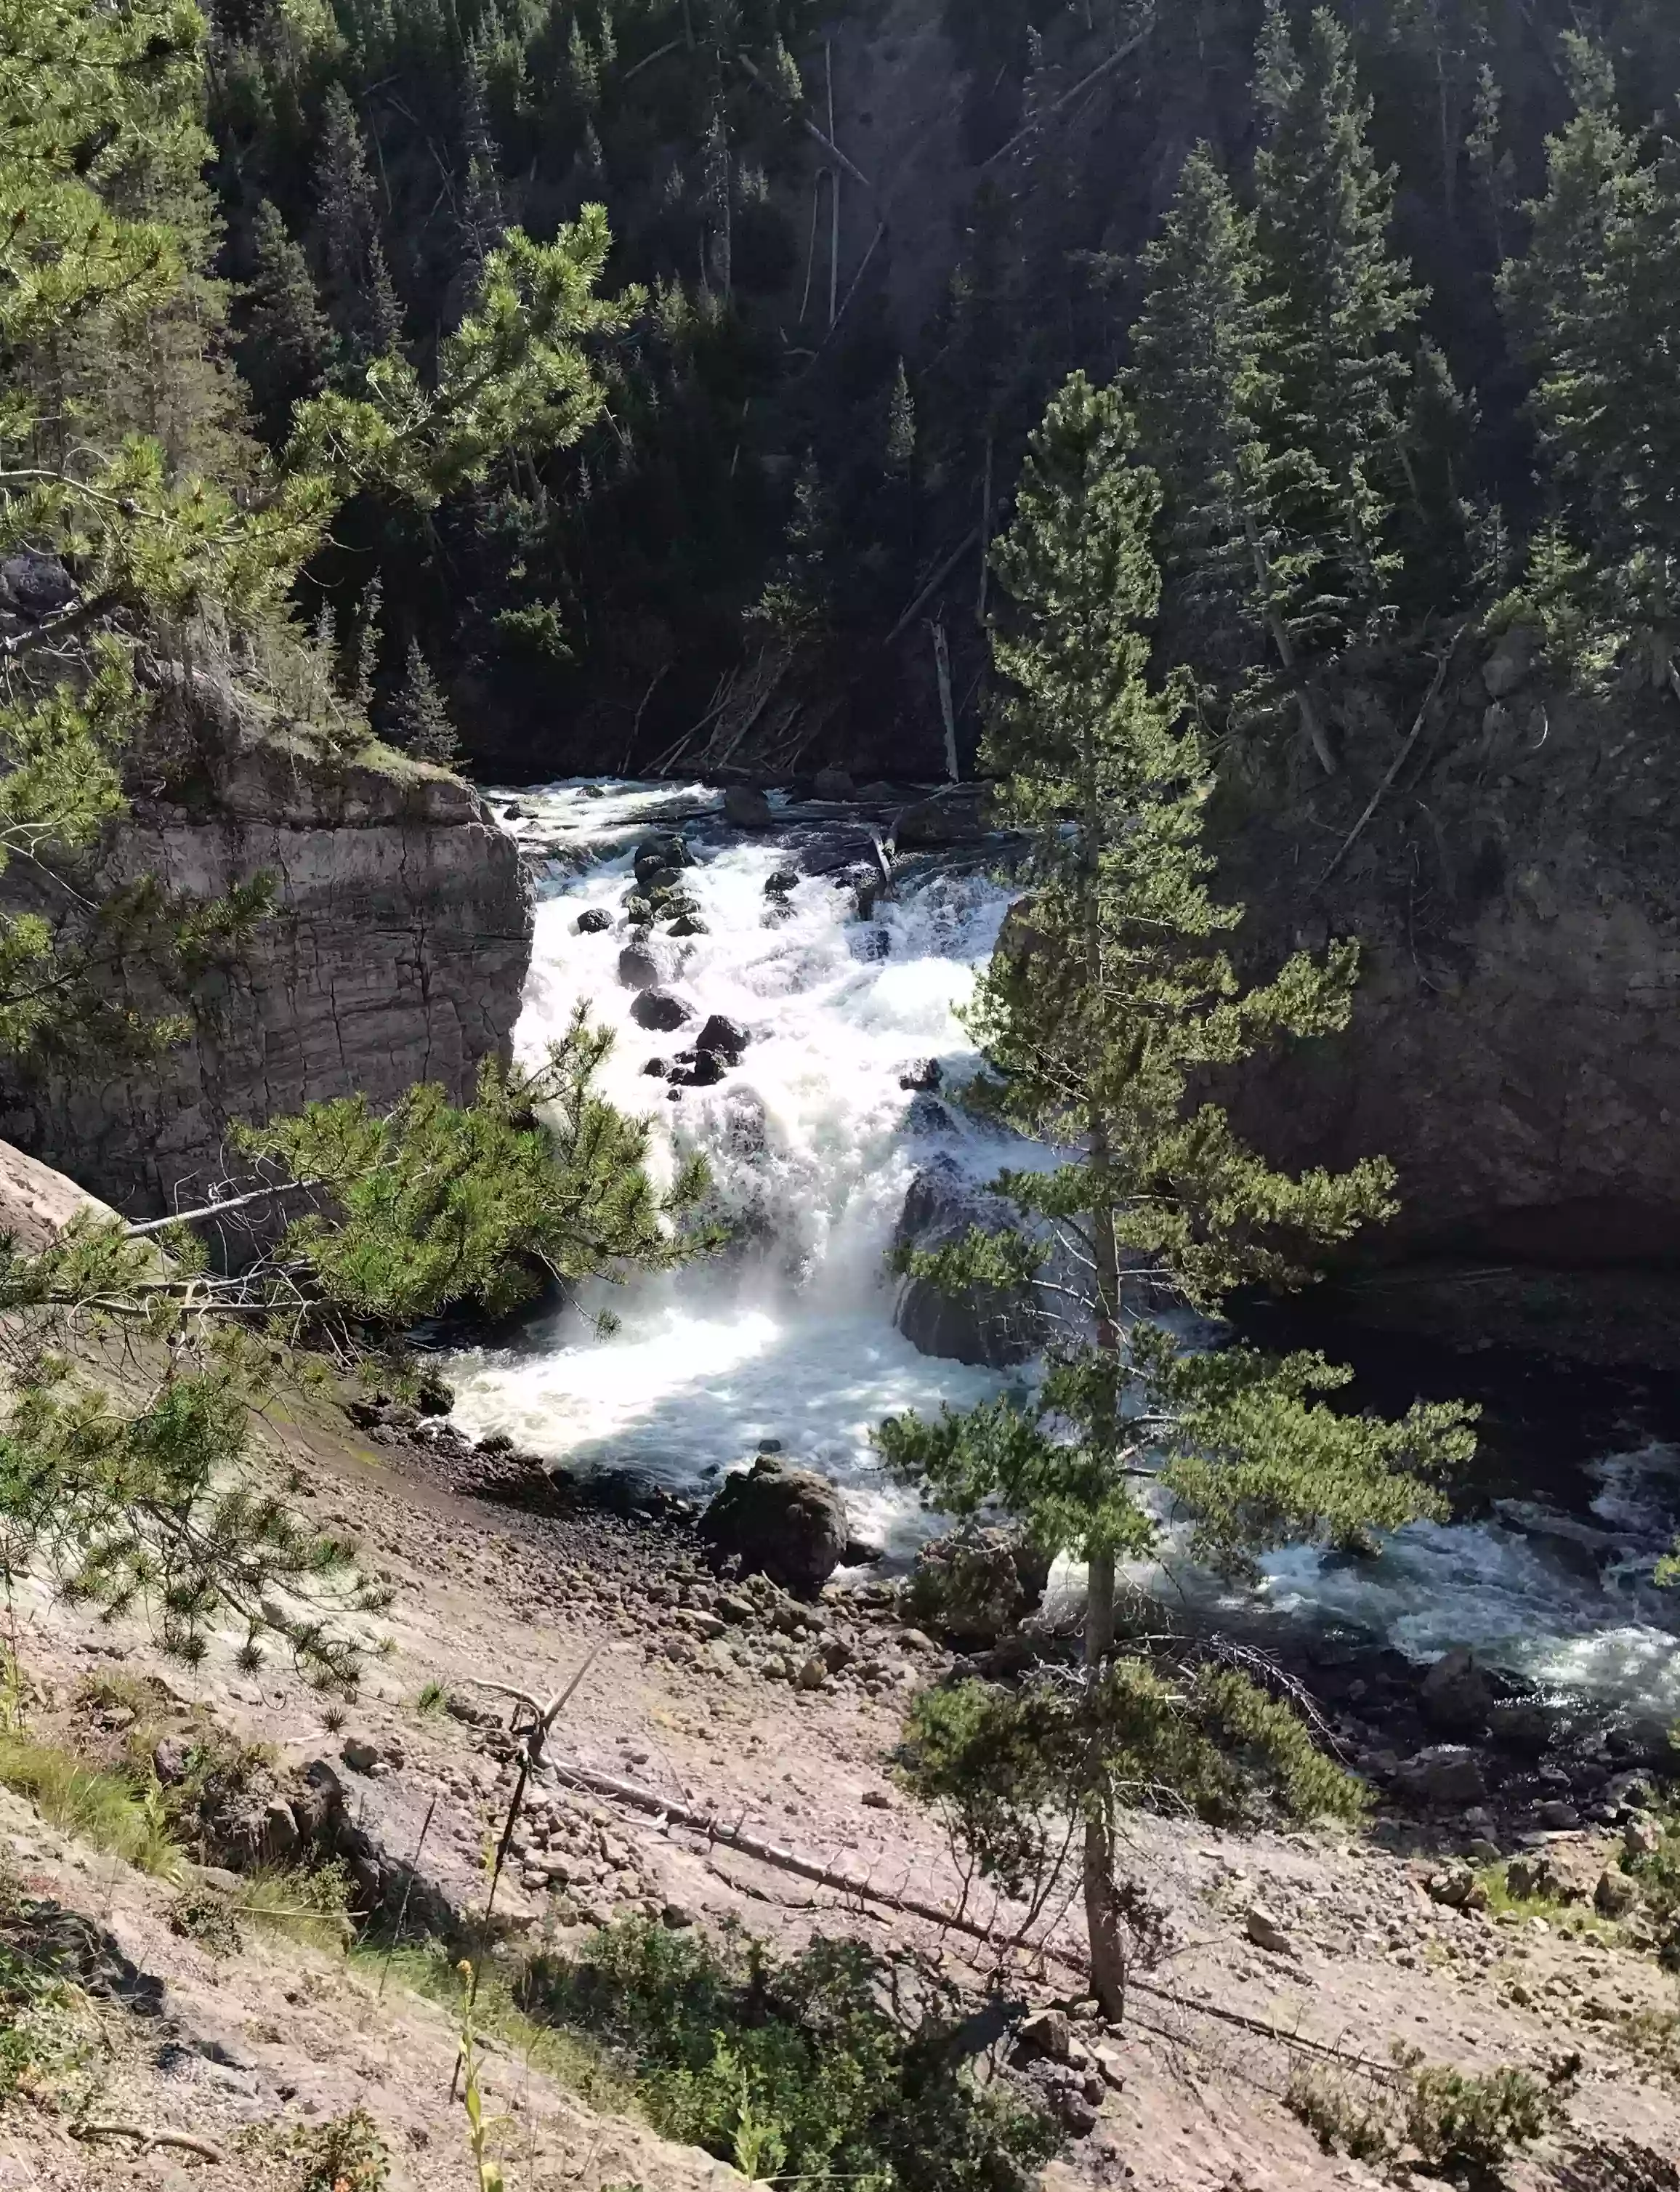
(346, 2153)
(797, 2067)
(1458, 2123)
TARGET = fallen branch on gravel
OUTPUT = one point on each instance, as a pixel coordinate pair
(150, 2135)
(773, 1854)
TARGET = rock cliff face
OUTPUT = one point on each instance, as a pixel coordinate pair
(396, 953)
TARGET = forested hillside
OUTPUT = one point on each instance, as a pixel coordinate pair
(1386, 279)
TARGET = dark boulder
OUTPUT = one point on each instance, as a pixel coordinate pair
(976, 1585)
(656, 1068)
(1456, 1696)
(948, 820)
(664, 851)
(925, 1074)
(638, 969)
(777, 1520)
(592, 920)
(725, 1038)
(657, 881)
(660, 1010)
(688, 924)
(705, 1071)
(747, 808)
(993, 1326)
(833, 784)
(784, 880)
(35, 585)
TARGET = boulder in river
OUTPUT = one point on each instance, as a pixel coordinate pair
(666, 850)
(1456, 1695)
(945, 819)
(638, 969)
(778, 1521)
(976, 1584)
(747, 808)
(725, 1038)
(993, 1326)
(834, 783)
(660, 1010)
(592, 920)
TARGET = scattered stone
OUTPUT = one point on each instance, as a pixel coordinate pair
(663, 850)
(677, 1916)
(638, 969)
(1045, 2037)
(592, 920)
(833, 784)
(1457, 1888)
(169, 1760)
(877, 1800)
(737, 1609)
(359, 1754)
(814, 1674)
(787, 1523)
(1557, 1817)
(1264, 1930)
(688, 924)
(1640, 1837)
(746, 808)
(661, 1011)
(1615, 1894)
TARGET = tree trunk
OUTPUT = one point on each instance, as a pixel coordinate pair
(1310, 722)
(1104, 1924)
(942, 667)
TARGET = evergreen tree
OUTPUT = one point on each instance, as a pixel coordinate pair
(901, 424)
(288, 341)
(358, 286)
(1340, 340)
(1595, 306)
(1201, 383)
(1108, 1004)
(483, 210)
(420, 721)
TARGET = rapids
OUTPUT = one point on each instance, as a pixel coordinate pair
(813, 1142)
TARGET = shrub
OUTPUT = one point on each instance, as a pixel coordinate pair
(1458, 2123)
(207, 1916)
(346, 2153)
(796, 2068)
(305, 1903)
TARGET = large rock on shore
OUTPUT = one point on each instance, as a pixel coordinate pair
(781, 1522)
(976, 1585)
(993, 1325)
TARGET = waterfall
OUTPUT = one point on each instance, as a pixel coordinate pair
(813, 1143)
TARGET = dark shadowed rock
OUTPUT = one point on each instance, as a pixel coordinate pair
(666, 850)
(784, 1522)
(833, 784)
(660, 1010)
(35, 585)
(746, 808)
(1448, 1777)
(638, 969)
(1456, 1696)
(725, 1038)
(988, 1325)
(592, 920)
(949, 819)
(976, 1584)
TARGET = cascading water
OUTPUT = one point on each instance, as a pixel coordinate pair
(813, 1142)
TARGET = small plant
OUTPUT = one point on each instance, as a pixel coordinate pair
(207, 1916)
(346, 2155)
(310, 1903)
(490, 2177)
(1339, 2117)
(333, 1719)
(433, 1699)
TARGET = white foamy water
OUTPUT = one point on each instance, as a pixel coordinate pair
(812, 1145)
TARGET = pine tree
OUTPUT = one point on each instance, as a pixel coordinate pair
(360, 296)
(483, 213)
(1201, 384)
(1110, 1001)
(288, 341)
(420, 721)
(1594, 304)
(901, 424)
(1340, 339)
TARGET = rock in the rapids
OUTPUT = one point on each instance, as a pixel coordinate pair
(656, 1068)
(784, 1522)
(664, 851)
(688, 924)
(704, 1070)
(784, 880)
(833, 784)
(638, 969)
(660, 1010)
(930, 824)
(592, 920)
(746, 808)
(658, 883)
(976, 1584)
(725, 1038)
(925, 1076)
(1456, 1696)
(989, 1325)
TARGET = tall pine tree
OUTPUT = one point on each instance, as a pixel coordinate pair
(1109, 1003)
(357, 280)
(288, 342)
(1595, 306)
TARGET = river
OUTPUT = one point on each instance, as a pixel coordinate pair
(813, 1142)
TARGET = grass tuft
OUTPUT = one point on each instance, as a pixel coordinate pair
(103, 1808)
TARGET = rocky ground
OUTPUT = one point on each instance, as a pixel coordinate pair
(1282, 1958)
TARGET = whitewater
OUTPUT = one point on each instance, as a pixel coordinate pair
(813, 1142)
